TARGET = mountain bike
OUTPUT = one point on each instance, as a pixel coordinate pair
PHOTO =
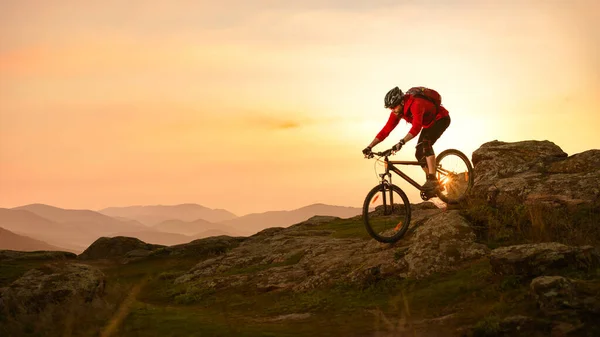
(386, 210)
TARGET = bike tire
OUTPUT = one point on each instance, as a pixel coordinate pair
(444, 195)
(401, 215)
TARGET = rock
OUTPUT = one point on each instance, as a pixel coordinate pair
(53, 284)
(441, 244)
(584, 162)
(572, 305)
(300, 258)
(116, 248)
(541, 258)
(553, 292)
(535, 172)
(557, 294)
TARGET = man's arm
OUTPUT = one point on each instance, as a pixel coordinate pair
(389, 126)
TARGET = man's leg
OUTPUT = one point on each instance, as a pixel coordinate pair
(431, 135)
(430, 164)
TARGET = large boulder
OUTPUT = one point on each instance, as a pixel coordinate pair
(441, 244)
(117, 248)
(537, 172)
(572, 305)
(53, 283)
(542, 258)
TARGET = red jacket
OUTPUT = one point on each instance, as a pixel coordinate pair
(419, 112)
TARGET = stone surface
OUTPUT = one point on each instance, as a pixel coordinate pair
(537, 172)
(541, 258)
(301, 258)
(572, 305)
(441, 244)
(53, 284)
(553, 292)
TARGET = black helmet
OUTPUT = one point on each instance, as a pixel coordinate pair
(393, 98)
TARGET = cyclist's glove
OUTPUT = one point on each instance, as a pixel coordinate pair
(367, 151)
(398, 146)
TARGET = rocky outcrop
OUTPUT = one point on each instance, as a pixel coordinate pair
(572, 305)
(542, 258)
(53, 284)
(537, 172)
(441, 244)
(301, 258)
(117, 248)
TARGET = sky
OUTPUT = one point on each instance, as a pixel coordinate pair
(258, 105)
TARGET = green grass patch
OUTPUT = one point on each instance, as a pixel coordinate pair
(344, 228)
(10, 271)
(510, 224)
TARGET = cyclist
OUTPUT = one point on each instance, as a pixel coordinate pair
(425, 117)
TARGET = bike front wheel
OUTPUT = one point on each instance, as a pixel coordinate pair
(386, 213)
(455, 174)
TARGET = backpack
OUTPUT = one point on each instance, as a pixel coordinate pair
(426, 93)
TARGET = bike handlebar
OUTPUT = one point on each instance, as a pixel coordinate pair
(385, 153)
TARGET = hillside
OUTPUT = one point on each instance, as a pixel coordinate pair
(156, 237)
(91, 221)
(153, 215)
(252, 223)
(193, 227)
(12, 241)
(24, 222)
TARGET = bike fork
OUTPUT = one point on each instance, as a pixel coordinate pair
(391, 197)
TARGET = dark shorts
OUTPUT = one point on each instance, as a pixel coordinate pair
(429, 136)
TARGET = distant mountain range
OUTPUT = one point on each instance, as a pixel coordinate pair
(153, 215)
(12, 241)
(252, 223)
(194, 227)
(168, 225)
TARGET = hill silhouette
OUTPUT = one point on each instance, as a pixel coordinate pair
(193, 228)
(91, 220)
(153, 215)
(12, 241)
(255, 222)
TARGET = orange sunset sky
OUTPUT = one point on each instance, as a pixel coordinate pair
(256, 105)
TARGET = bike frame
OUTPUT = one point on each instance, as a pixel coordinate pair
(389, 166)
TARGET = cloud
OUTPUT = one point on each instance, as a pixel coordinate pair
(276, 122)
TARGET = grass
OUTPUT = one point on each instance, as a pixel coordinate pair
(12, 270)
(470, 294)
(343, 228)
(518, 223)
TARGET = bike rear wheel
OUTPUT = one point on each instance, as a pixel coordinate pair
(455, 174)
(386, 213)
